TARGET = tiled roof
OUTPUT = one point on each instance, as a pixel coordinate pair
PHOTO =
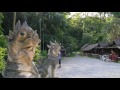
(89, 47)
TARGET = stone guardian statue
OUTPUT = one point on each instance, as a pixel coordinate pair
(21, 50)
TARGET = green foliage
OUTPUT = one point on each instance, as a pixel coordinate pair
(44, 53)
(112, 30)
(118, 61)
(81, 53)
(53, 25)
(3, 41)
(70, 43)
(72, 32)
(93, 26)
(75, 28)
(1, 18)
(38, 55)
(3, 54)
(116, 14)
(8, 20)
(87, 38)
(72, 54)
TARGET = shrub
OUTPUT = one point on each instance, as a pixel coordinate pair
(71, 54)
(37, 55)
(44, 53)
(3, 54)
(81, 53)
(3, 41)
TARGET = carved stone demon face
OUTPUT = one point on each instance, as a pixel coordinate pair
(22, 35)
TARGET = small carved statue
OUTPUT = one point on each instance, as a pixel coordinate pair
(54, 49)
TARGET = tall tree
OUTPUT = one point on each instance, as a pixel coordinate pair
(14, 20)
(1, 21)
(116, 14)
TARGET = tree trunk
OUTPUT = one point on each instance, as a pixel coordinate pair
(14, 20)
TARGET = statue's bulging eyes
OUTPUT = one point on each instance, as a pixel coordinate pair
(22, 33)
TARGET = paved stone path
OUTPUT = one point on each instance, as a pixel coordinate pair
(84, 67)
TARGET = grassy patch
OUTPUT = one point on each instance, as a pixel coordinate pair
(118, 61)
(71, 54)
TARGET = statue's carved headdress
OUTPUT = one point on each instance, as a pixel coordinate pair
(22, 32)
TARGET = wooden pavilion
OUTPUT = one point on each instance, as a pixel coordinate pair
(102, 48)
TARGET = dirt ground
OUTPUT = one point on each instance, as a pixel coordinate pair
(84, 67)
